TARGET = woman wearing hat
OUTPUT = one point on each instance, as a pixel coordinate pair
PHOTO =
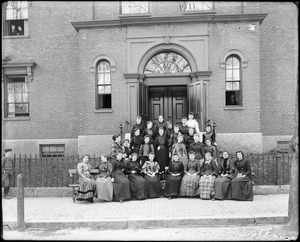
(151, 170)
(138, 125)
(192, 123)
(136, 181)
(174, 177)
(209, 133)
(104, 181)
(241, 187)
(190, 180)
(208, 174)
(145, 149)
(226, 173)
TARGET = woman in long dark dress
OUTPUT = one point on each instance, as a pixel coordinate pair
(116, 146)
(121, 182)
(136, 141)
(197, 147)
(180, 149)
(87, 184)
(226, 172)
(190, 180)
(161, 150)
(209, 147)
(145, 149)
(104, 181)
(241, 187)
(174, 177)
(209, 172)
(151, 169)
(126, 148)
(137, 183)
(149, 130)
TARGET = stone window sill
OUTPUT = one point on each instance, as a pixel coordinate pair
(17, 119)
(233, 108)
(16, 37)
(107, 110)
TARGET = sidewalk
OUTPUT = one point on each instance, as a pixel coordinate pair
(61, 212)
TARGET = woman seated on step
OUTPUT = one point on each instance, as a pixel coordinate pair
(87, 184)
(104, 181)
(121, 188)
(209, 172)
(190, 180)
(225, 175)
(241, 187)
(151, 170)
(136, 180)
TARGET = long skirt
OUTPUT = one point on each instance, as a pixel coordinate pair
(162, 158)
(206, 186)
(86, 189)
(104, 188)
(241, 189)
(138, 189)
(222, 187)
(189, 185)
(121, 188)
(153, 186)
(172, 186)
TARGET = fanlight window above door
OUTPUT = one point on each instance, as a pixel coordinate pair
(167, 62)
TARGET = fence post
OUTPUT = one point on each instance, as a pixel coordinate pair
(20, 205)
(278, 170)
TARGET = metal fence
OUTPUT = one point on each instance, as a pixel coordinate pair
(268, 169)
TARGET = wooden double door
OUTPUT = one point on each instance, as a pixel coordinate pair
(171, 102)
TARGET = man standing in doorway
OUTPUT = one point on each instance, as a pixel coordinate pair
(7, 171)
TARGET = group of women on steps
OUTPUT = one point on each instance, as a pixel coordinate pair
(163, 161)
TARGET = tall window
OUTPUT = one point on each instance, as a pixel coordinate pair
(103, 83)
(130, 7)
(16, 18)
(167, 62)
(197, 6)
(16, 97)
(233, 80)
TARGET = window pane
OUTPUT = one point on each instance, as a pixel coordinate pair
(53, 148)
(100, 79)
(229, 75)
(60, 148)
(106, 66)
(228, 85)
(18, 97)
(107, 79)
(134, 7)
(100, 89)
(11, 98)
(229, 63)
(22, 108)
(104, 101)
(236, 63)
(107, 89)
(11, 108)
(236, 74)
(198, 6)
(10, 87)
(236, 85)
(167, 62)
(17, 10)
(45, 148)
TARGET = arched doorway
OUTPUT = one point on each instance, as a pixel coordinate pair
(167, 82)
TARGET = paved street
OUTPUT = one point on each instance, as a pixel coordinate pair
(241, 233)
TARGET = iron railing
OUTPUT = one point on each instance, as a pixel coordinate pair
(268, 169)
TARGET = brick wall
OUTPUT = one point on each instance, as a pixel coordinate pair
(279, 55)
(223, 37)
(54, 92)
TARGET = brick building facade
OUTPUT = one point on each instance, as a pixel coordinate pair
(63, 44)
